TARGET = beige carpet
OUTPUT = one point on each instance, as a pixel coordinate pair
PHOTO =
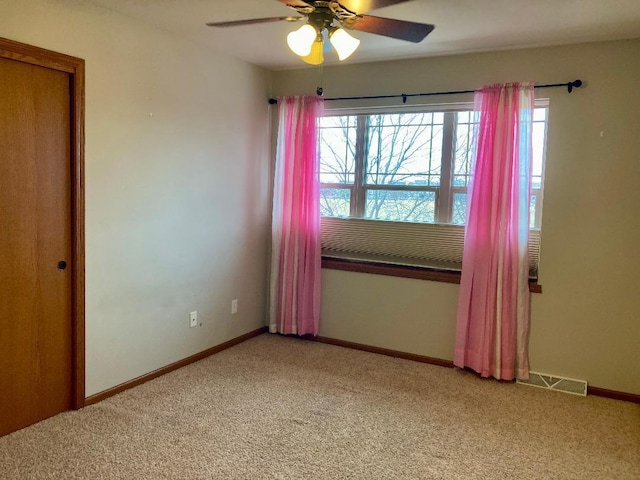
(283, 408)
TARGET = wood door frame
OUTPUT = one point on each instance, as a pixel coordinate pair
(73, 66)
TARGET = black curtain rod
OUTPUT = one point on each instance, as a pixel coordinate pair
(569, 85)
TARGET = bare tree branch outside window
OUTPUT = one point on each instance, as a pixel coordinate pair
(402, 163)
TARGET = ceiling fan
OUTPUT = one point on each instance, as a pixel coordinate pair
(335, 18)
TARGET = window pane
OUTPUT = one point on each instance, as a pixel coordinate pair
(539, 130)
(337, 145)
(532, 211)
(335, 202)
(404, 149)
(338, 121)
(401, 205)
(459, 213)
(463, 149)
(402, 164)
(540, 114)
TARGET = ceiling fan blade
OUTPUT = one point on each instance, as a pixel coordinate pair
(252, 21)
(298, 3)
(388, 27)
(363, 6)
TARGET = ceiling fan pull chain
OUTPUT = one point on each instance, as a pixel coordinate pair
(320, 90)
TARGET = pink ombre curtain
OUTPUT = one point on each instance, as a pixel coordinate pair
(295, 248)
(493, 306)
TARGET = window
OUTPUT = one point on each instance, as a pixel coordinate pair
(394, 185)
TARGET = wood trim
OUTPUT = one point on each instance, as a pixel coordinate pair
(614, 394)
(382, 351)
(404, 271)
(595, 391)
(38, 56)
(75, 67)
(78, 99)
(98, 397)
(78, 85)
(535, 287)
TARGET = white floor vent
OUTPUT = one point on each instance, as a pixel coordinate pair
(561, 384)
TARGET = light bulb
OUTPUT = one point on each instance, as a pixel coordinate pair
(316, 57)
(300, 41)
(344, 43)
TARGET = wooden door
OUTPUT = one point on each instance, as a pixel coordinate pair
(36, 337)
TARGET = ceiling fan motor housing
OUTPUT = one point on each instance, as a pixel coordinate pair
(322, 14)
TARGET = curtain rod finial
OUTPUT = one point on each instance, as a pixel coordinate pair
(574, 84)
(272, 101)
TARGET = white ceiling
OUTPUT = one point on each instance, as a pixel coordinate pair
(461, 26)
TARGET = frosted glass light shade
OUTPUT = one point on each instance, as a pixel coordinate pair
(300, 41)
(344, 43)
(316, 57)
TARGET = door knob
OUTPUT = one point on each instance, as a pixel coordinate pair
(62, 265)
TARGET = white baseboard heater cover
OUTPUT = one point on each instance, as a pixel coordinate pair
(553, 382)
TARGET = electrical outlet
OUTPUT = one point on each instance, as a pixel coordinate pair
(234, 306)
(193, 319)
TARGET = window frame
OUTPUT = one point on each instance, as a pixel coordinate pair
(445, 191)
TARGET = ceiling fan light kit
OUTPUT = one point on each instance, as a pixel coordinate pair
(308, 43)
(335, 18)
(343, 43)
(316, 57)
(300, 41)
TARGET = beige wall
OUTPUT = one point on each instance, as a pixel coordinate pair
(586, 324)
(177, 209)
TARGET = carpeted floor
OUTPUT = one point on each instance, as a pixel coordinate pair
(283, 408)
